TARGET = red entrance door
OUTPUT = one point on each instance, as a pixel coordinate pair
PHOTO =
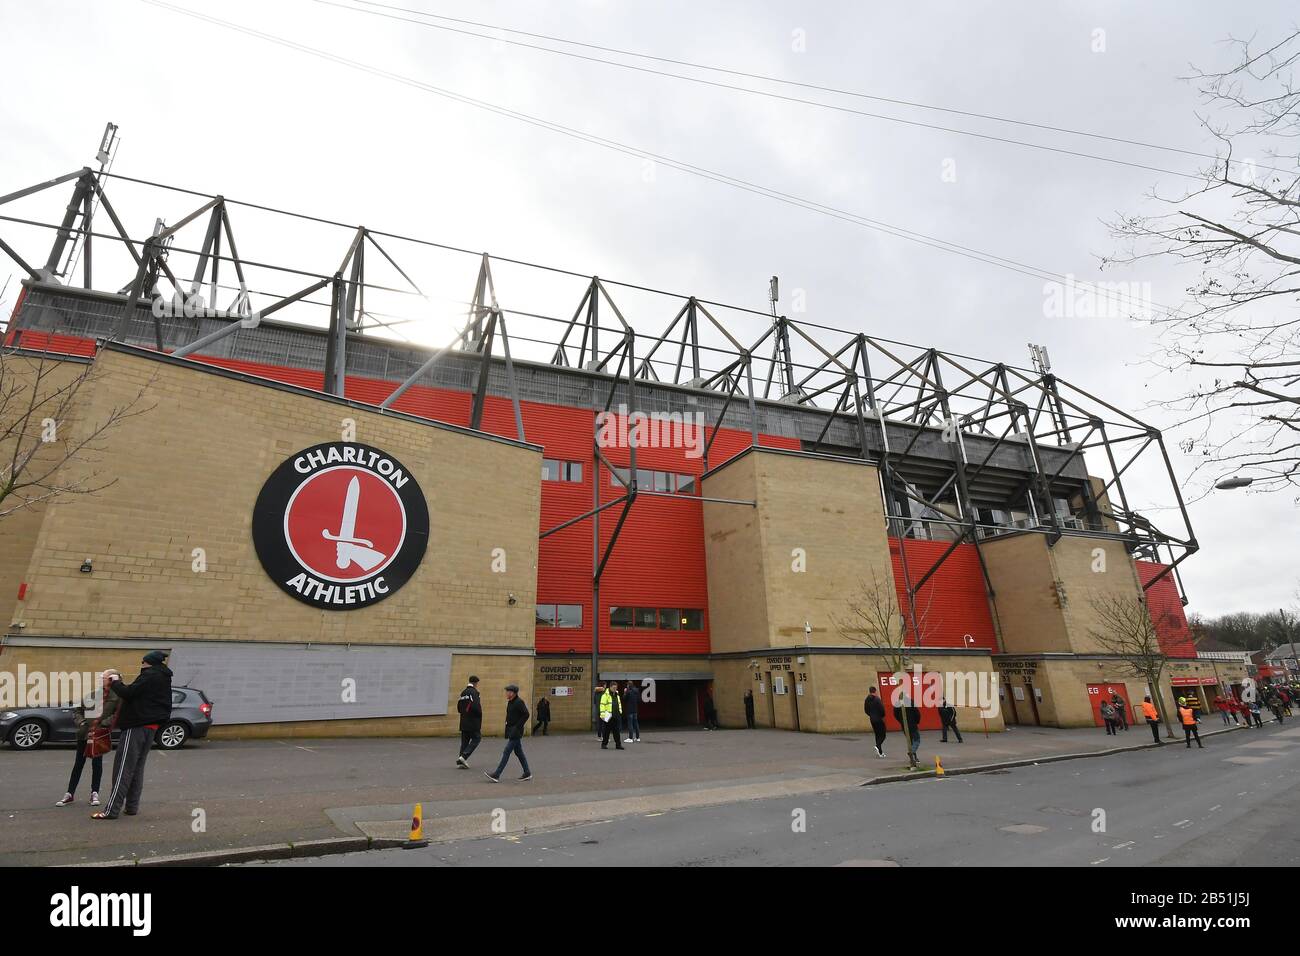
(888, 684)
(1101, 692)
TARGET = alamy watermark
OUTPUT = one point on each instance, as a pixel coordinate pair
(978, 689)
(1097, 300)
(621, 429)
(24, 688)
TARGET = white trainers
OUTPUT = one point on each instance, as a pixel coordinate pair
(94, 798)
(629, 741)
(67, 798)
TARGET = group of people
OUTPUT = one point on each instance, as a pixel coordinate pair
(470, 707)
(135, 711)
(908, 716)
(1115, 713)
(616, 708)
(1277, 700)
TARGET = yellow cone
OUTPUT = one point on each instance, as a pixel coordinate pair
(938, 767)
(417, 824)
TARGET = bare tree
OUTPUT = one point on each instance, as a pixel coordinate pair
(1126, 629)
(875, 620)
(47, 450)
(1237, 343)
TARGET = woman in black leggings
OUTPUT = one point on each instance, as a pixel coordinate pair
(92, 704)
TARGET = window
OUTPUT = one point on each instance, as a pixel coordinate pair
(686, 484)
(656, 618)
(559, 615)
(555, 470)
(645, 479)
(664, 481)
(617, 473)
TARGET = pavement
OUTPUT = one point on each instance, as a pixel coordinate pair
(306, 796)
(1233, 803)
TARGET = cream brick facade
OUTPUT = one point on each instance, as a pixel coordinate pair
(187, 473)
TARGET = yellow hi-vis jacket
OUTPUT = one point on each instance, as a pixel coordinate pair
(609, 705)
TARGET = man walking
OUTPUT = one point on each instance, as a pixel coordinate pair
(470, 708)
(749, 709)
(909, 718)
(1188, 717)
(543, 716)
(875, 710)
(1152, 717)
(631, 702)
(948, 715)
(611, 706)
(146, 703)
(516, 721)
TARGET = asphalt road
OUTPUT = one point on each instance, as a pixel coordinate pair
(1232, 803)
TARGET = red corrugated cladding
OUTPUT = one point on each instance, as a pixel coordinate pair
(953, 605)
(1166, 609)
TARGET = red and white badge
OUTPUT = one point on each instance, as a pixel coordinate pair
(341, 526)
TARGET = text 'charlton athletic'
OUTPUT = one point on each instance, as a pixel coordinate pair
(340, 526)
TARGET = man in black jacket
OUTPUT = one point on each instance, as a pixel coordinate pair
(631, 702)
(909, 718)
(543, 716)
(146, 703)
(516, 722)
(948, 717)
(470, 709)
(749, 709)
(875, 711)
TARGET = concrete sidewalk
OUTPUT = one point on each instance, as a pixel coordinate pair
(257, 793)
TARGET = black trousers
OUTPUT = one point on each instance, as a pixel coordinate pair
(469, 739)
(96, 769)
(1190, 731)
(1155, 729)
(951, 725)
(878, 728)
(543, 724)
(614, 726)
(749, 717)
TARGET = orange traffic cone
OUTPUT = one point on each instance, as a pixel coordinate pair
(938, 767)
(417, 828)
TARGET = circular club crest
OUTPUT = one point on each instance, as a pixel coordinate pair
(340, 526)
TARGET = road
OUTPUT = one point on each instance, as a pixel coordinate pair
(1232, 803)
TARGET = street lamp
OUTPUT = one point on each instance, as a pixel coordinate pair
(1228, 484)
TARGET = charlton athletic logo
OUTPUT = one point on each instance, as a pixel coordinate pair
(341, 526)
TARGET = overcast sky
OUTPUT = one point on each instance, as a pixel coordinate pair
(224, 112)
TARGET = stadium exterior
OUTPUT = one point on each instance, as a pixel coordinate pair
(658, 504)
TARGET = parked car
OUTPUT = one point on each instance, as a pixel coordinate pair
(26, 728)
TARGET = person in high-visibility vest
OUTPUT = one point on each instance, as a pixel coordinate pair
(1188, 717)
(611, 711)
(1153, 718)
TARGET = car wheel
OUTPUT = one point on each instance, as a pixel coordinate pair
(173, 736)
(28, 735)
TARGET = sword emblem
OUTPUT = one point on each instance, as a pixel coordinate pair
(348, 548)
